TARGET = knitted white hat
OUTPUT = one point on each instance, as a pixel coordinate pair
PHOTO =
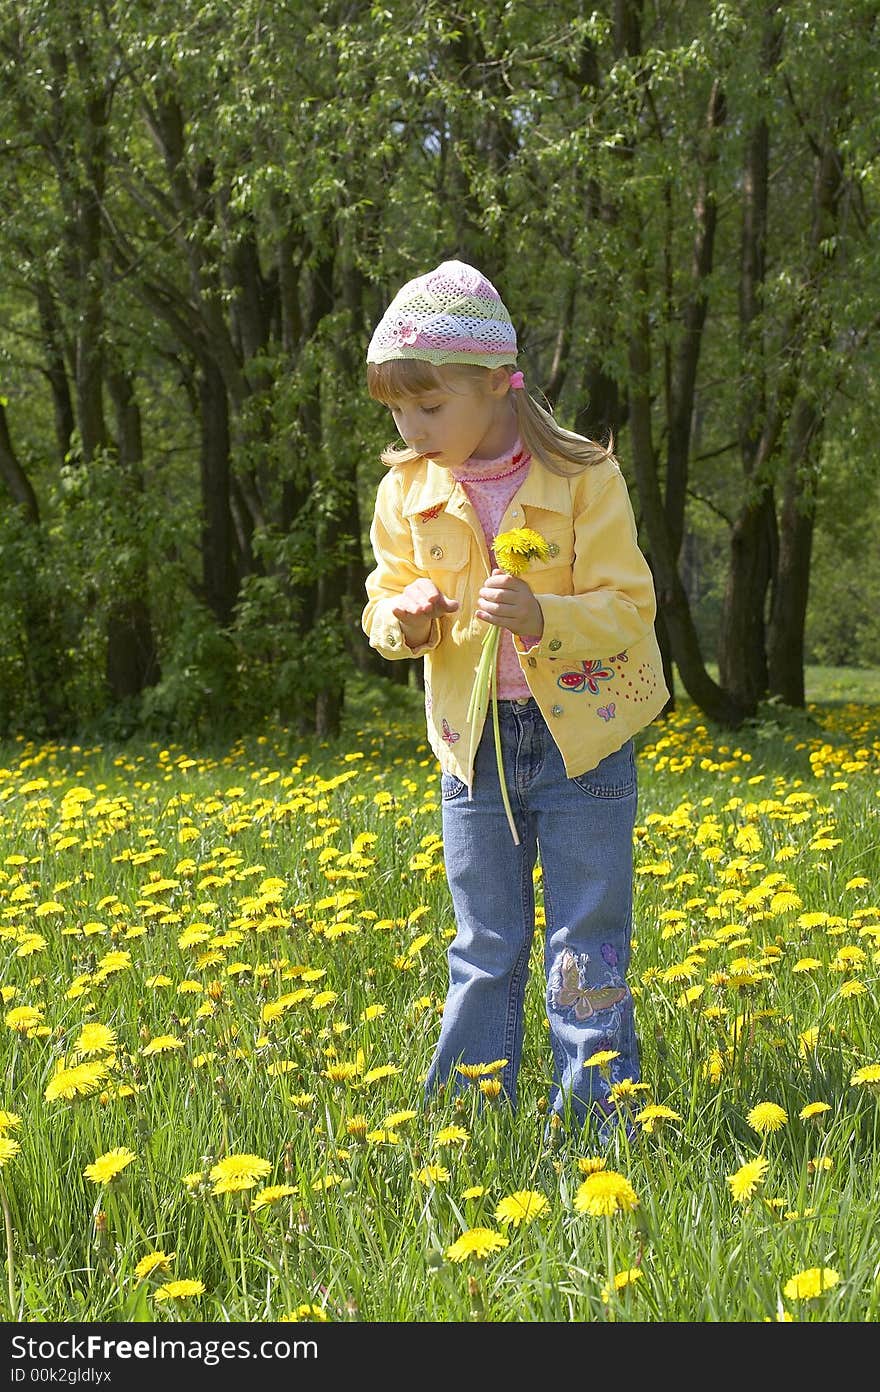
(452, 314)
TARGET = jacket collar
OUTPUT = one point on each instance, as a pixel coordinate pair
(428, 487)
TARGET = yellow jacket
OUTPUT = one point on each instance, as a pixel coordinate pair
(596, 672)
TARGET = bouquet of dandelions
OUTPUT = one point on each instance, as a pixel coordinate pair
(513, 552)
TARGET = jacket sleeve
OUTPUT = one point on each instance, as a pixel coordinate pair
(395, 568)
(613, 604)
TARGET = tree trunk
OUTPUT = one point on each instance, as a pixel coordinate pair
(43, 645)
(55, 370)
(13, 475)
(742, 643)
(132, 660)
(717, 703)
(663, 516)
(742, 651)
(219, 580)
(790, 592)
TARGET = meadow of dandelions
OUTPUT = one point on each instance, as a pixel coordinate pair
(222, 979)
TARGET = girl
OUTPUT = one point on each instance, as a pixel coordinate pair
(579, 672)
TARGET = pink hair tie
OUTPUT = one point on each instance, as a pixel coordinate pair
(517, 381)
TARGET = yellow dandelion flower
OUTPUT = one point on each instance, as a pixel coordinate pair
(395, 1119)
(272, 1194)
(813, 1110)
(375, 1075)
(452, 1135)
(179, 1290)
(9, 1121)
(748, 1177)
(8, 1149)
(163, 1044)
(852, 988)
(869, 1076)
(591, 1164)
(480, 1070)
(23, 1018)
(490, 1088)
(807, 964)
(237, 1172)
(476, 1191)
(601, 1058)
(477, 1243)
(94, 1038)
(341, 1072)
(109, 1165)
(808, 1040)
(626, 1090)
(767, 1117)
(621, 1280)
(304, 1314)
(431, 1174)
(807, 1285)
(153, 1261)
(524, 1206)
(655, 1114)
(604, 1193)
(328, 1181)
(821, 1162)
(514, 549)
(78, 1081)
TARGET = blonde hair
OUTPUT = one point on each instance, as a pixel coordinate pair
(560, 451)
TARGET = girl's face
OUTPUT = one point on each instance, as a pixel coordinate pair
(472, 419)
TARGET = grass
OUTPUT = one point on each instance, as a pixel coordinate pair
(262, 928)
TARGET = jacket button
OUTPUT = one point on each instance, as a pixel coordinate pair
(557, 710)
(554, 645)
(533, 662)
(436, 552)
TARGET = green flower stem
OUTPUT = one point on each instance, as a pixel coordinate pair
(609, 1265)
(10, 1259)
(480, 694)
(497, 731)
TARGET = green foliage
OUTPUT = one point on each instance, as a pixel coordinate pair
(267, 176)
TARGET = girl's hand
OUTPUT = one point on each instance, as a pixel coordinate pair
(506, 601)
(416, 608)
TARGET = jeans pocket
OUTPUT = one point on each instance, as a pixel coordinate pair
(613, 777)
(451, 787)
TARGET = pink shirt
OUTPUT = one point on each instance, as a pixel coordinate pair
(490, 484)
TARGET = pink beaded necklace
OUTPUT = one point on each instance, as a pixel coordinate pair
(521, 457)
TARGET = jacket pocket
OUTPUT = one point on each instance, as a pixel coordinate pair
(440, 552)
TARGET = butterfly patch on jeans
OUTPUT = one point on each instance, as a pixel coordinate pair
(584, 1000)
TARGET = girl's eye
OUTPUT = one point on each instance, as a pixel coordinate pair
(430, 410)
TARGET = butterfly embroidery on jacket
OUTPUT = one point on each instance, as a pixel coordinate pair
(431, 513)
(450, 736)
(585, 1000)
(607, 712)
(593, 670)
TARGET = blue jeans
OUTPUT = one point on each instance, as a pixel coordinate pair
(583, 829)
